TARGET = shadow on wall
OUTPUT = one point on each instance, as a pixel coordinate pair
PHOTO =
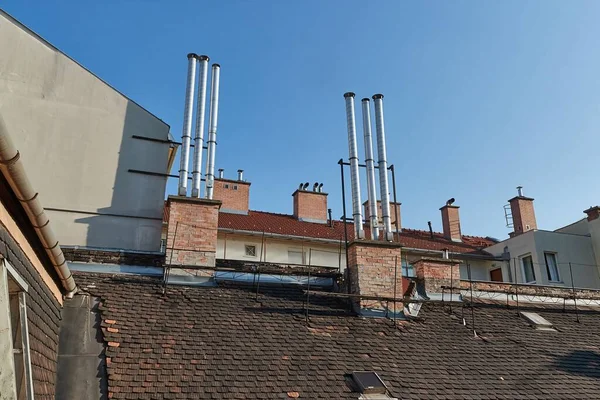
(580, 362)
(133, 221)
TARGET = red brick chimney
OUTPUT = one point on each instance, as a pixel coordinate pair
(523, 213)
(592, 213)
(451, 221)
(394, 214)
(310, 206)
(433, 274)
(234, 194)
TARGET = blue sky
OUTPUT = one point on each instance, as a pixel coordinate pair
(480, 96)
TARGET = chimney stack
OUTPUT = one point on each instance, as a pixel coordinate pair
(212, 129)
(371, 208)
(523, 213)
(592, 213)
(451, 221)
(353, 158)
(187, 125)
(199, 136)
(310, 206)
(383, 173)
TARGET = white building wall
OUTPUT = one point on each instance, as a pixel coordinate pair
(74, 133)
(232, 247)
(569, 248)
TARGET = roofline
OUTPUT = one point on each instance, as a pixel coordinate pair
(278, 235)
(572, 223)
(47, 43)
(458, 254)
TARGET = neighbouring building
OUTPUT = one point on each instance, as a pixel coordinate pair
(544, 257)
(98, 158)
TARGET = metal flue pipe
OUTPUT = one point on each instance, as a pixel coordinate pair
(383, 174)
(370, 163)
(199, 136)
(12, 168)
(353, 158)
(212, 129)
(187, 125)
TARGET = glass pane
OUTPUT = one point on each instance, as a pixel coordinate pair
(551, 267)
(528, 269)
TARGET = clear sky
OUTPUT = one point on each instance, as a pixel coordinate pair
(480, 96)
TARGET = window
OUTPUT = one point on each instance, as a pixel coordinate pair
(552, 267)
(250, 250)
(234, 187)
(527, 266)
(226, 185)
(407, 269)
(295, 256)
(14, 335)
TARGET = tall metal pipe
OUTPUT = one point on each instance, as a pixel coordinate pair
(199, 136)
(383, 174)
(353, 158)
(187, 125)
(371, 186)
(212, 129)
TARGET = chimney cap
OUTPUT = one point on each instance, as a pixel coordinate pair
(216, 65)
(239, 170)
(349, 94)
(202, 57)
(366, 99)
(377, 96)
(192, 55)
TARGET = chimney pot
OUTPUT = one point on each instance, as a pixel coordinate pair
(240, 174)
(451, 221)
(520, 191)
(221, 173)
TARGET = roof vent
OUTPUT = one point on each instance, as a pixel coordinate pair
(537, 321)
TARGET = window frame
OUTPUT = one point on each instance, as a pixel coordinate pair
(555, 255)
(407, 267)
(523, 274)
(246, 247)
(7, 271)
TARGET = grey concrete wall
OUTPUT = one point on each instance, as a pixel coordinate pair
(74, 133)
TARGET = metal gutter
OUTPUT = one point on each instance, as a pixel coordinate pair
(12, 167)
(459, 255)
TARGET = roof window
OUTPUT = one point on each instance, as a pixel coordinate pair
(369, 385)
(537, 321)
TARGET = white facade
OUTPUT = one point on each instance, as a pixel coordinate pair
(75, 132)
(277, 250)
(566, 248)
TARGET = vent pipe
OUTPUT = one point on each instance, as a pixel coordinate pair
(221, 173)
(383, 175)
(353, 158)
(520, 191)
(371, 186)
(199, 136)
(187, 125)
(212, 129)
(240, 174)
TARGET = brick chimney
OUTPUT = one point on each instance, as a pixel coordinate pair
(394, 214)
(592, 213)
(310, 206)
(451, 221)
(234, 194)
(433, 274)
(523, 213)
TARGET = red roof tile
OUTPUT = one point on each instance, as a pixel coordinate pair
(284, 224)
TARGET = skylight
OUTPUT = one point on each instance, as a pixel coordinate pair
(537, 321)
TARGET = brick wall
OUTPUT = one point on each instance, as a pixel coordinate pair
(523, 214)
(196, 223)
(394, 213)
(43, 309)
(372, 266)
(88, 255)
(434, 273)
(310, 206)
(451, 222)
(234, 195)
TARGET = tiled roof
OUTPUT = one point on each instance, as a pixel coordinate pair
(219, 343)
(259, 221)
